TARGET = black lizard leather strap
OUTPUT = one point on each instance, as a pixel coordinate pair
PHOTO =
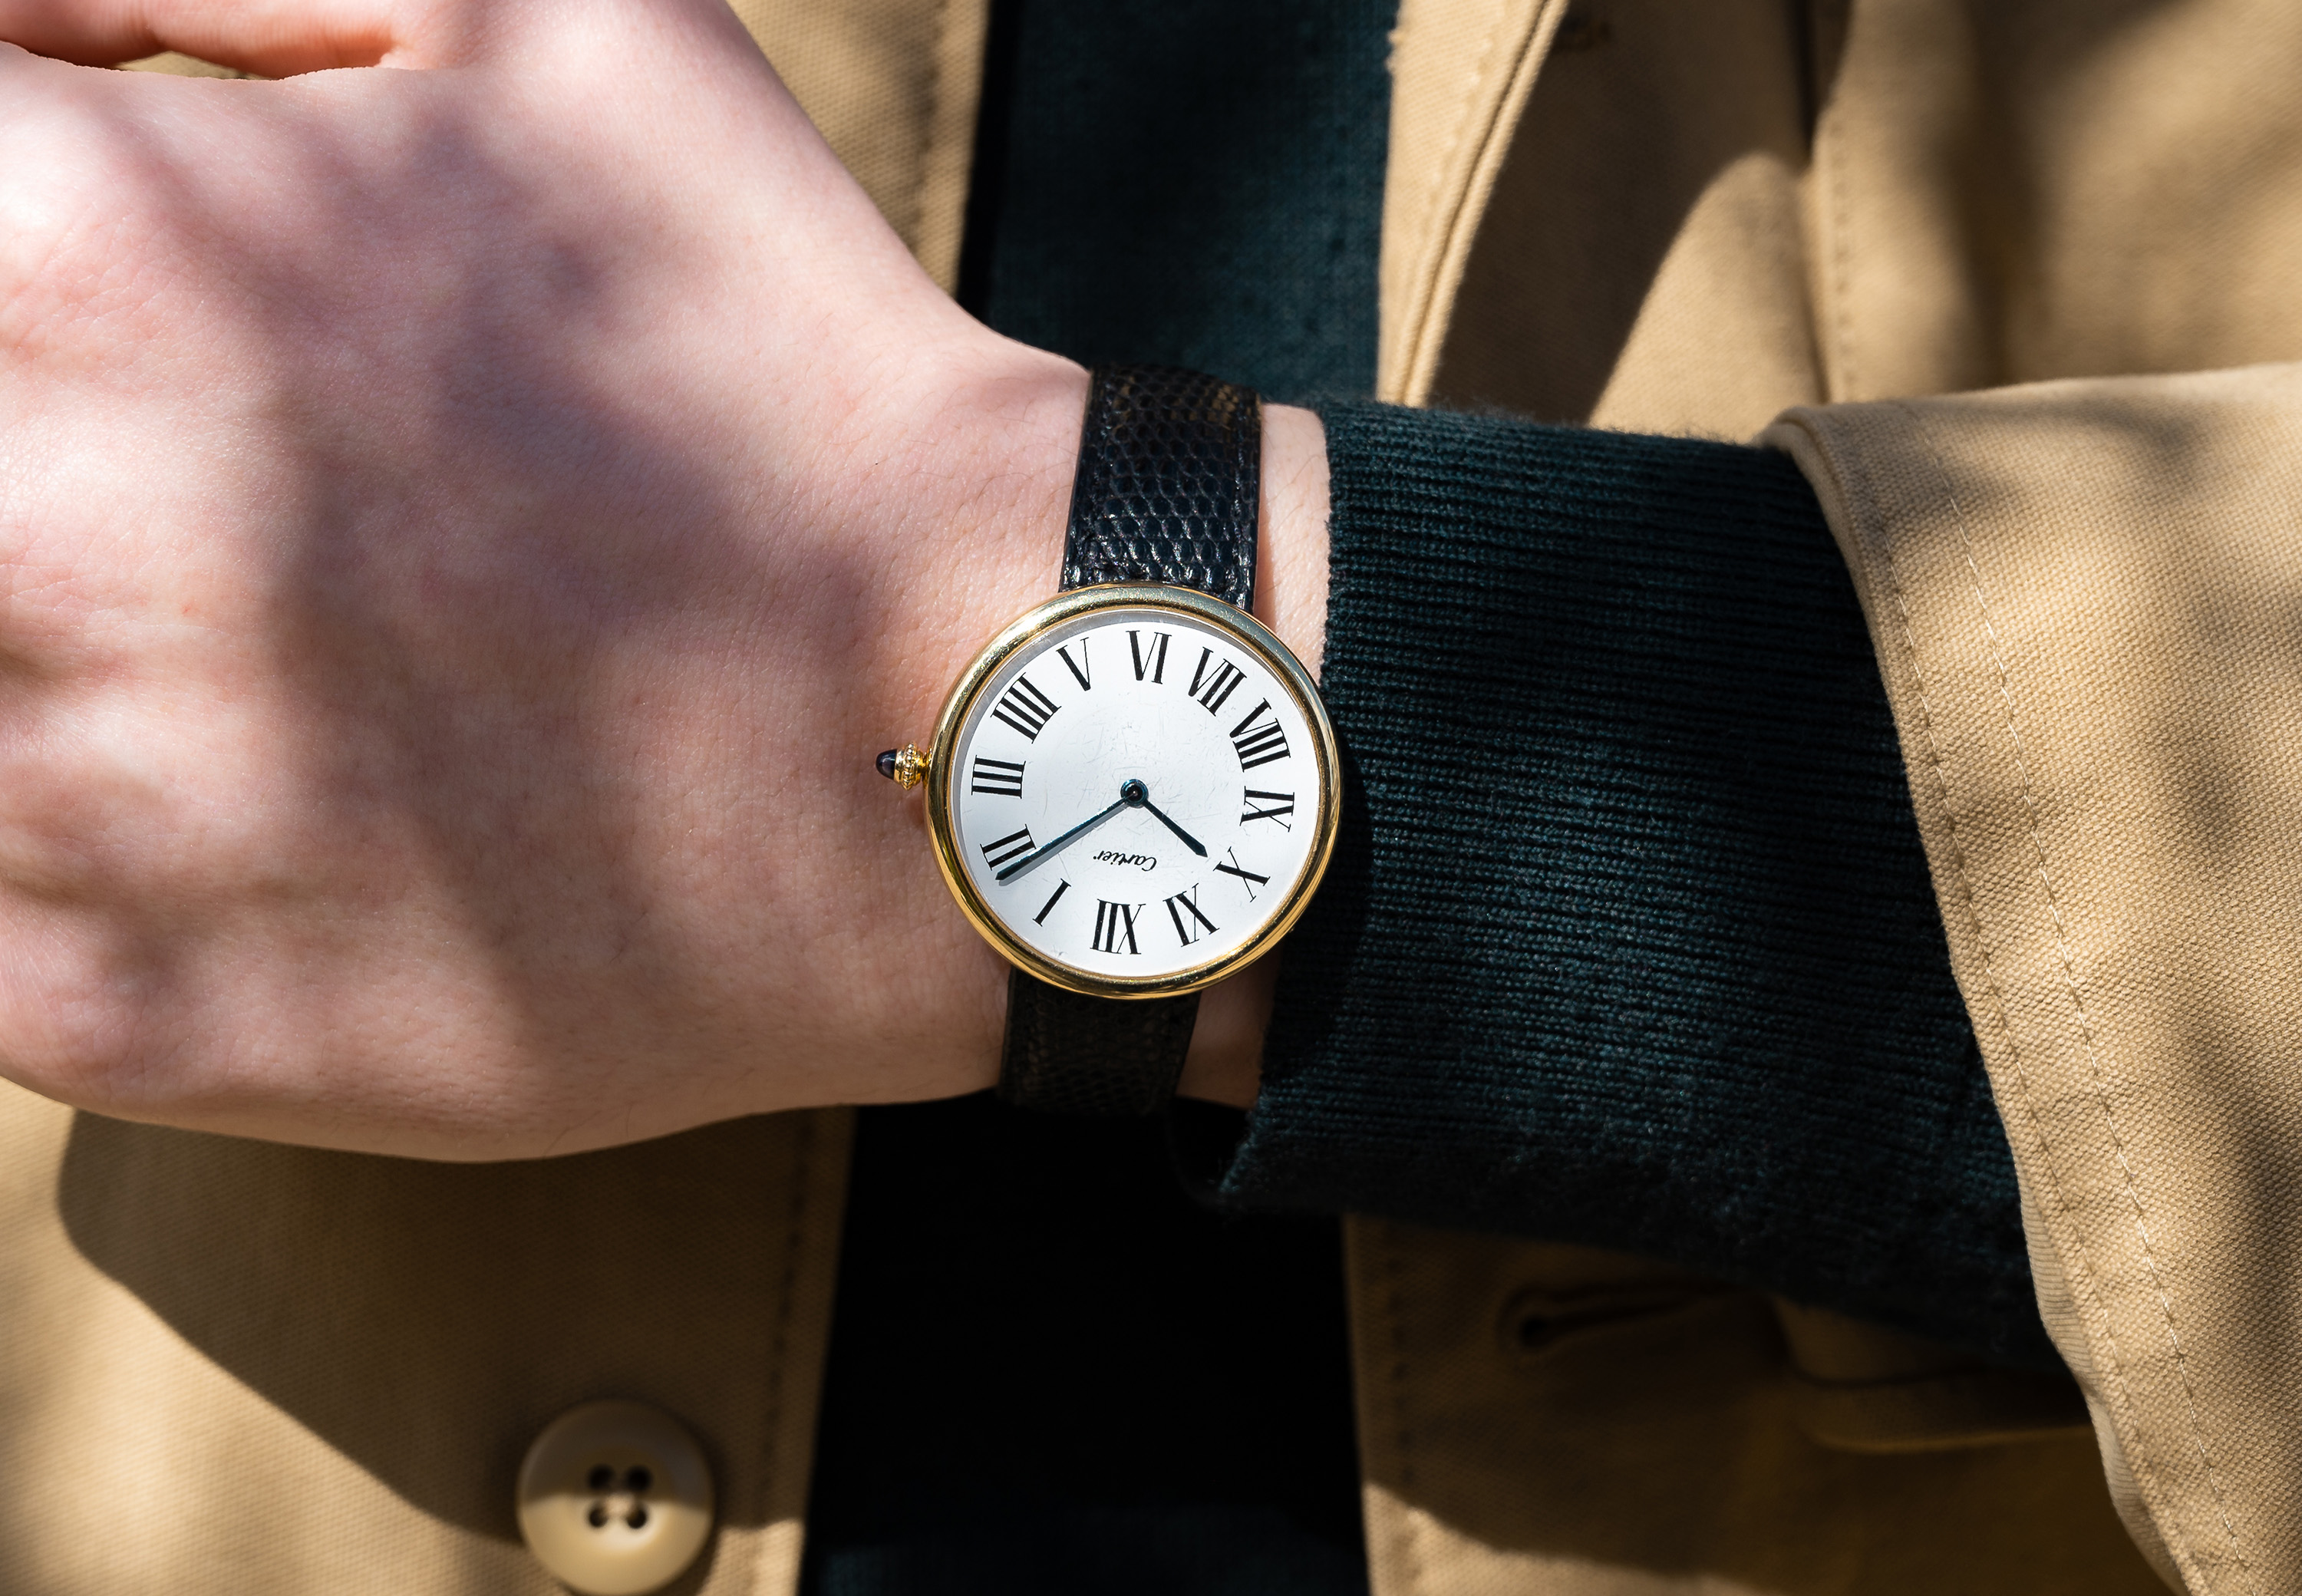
(1092, 1058)
(1169, 489)
(1169, 483)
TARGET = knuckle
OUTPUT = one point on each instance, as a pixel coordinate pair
(74, 1017)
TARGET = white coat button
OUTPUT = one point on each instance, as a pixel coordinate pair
(615, 1499)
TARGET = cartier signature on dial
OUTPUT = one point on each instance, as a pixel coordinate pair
(1133, 790)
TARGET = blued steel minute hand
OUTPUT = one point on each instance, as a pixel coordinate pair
(1132, 794)
(1032, 862)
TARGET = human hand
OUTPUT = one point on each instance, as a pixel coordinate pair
(463, 528)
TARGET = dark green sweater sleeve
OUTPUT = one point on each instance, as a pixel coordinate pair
(1628, 940)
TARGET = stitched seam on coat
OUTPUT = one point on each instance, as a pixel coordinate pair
(787, 1289)
(1944, 805)
(2071, 985)
(1842, 254)
(1394, 1296)
(1429, 244)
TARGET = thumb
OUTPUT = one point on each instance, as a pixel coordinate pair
(272, 39)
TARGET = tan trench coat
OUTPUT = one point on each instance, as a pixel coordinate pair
(231, 1367)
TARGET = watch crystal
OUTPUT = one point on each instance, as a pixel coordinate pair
(1135, 794)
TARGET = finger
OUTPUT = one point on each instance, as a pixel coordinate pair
(279, 39)
(274, 39)
(265, 37)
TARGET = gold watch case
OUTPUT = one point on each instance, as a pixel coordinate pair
(943, 764)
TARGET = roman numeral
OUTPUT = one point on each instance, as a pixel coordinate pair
(1079, 669)
(1001, 778)
(1048, 908)
(1258, 744)
(1025, 707)
(1014, 846)
(1220, 683)
(1157, 659)
(1186, 903)
(1282, 804)
(1247, 877)
(1112, 922)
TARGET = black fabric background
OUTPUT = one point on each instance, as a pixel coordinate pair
(1051, 1372)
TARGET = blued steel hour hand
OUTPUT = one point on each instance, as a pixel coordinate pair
(1136, 793)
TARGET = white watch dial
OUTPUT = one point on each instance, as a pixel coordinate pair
(1135, 793)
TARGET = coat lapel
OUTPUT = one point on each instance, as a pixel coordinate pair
(1460, 74)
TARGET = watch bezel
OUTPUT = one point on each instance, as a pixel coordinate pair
(1251, 636)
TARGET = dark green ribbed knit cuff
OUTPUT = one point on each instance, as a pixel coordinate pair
(1629, 940)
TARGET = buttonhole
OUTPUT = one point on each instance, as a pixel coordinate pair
(638, 1517)
(600, 1477)
(637, 1479)
(1538, 1322)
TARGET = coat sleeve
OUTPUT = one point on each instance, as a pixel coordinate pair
(1629, 940)
(2086, 600)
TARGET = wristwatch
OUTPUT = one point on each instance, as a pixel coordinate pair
(1133, 790)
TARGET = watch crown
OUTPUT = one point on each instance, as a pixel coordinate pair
(906, 767)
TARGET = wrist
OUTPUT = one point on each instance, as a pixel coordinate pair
(1290, 584)
(966, 518)
(970, 522)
